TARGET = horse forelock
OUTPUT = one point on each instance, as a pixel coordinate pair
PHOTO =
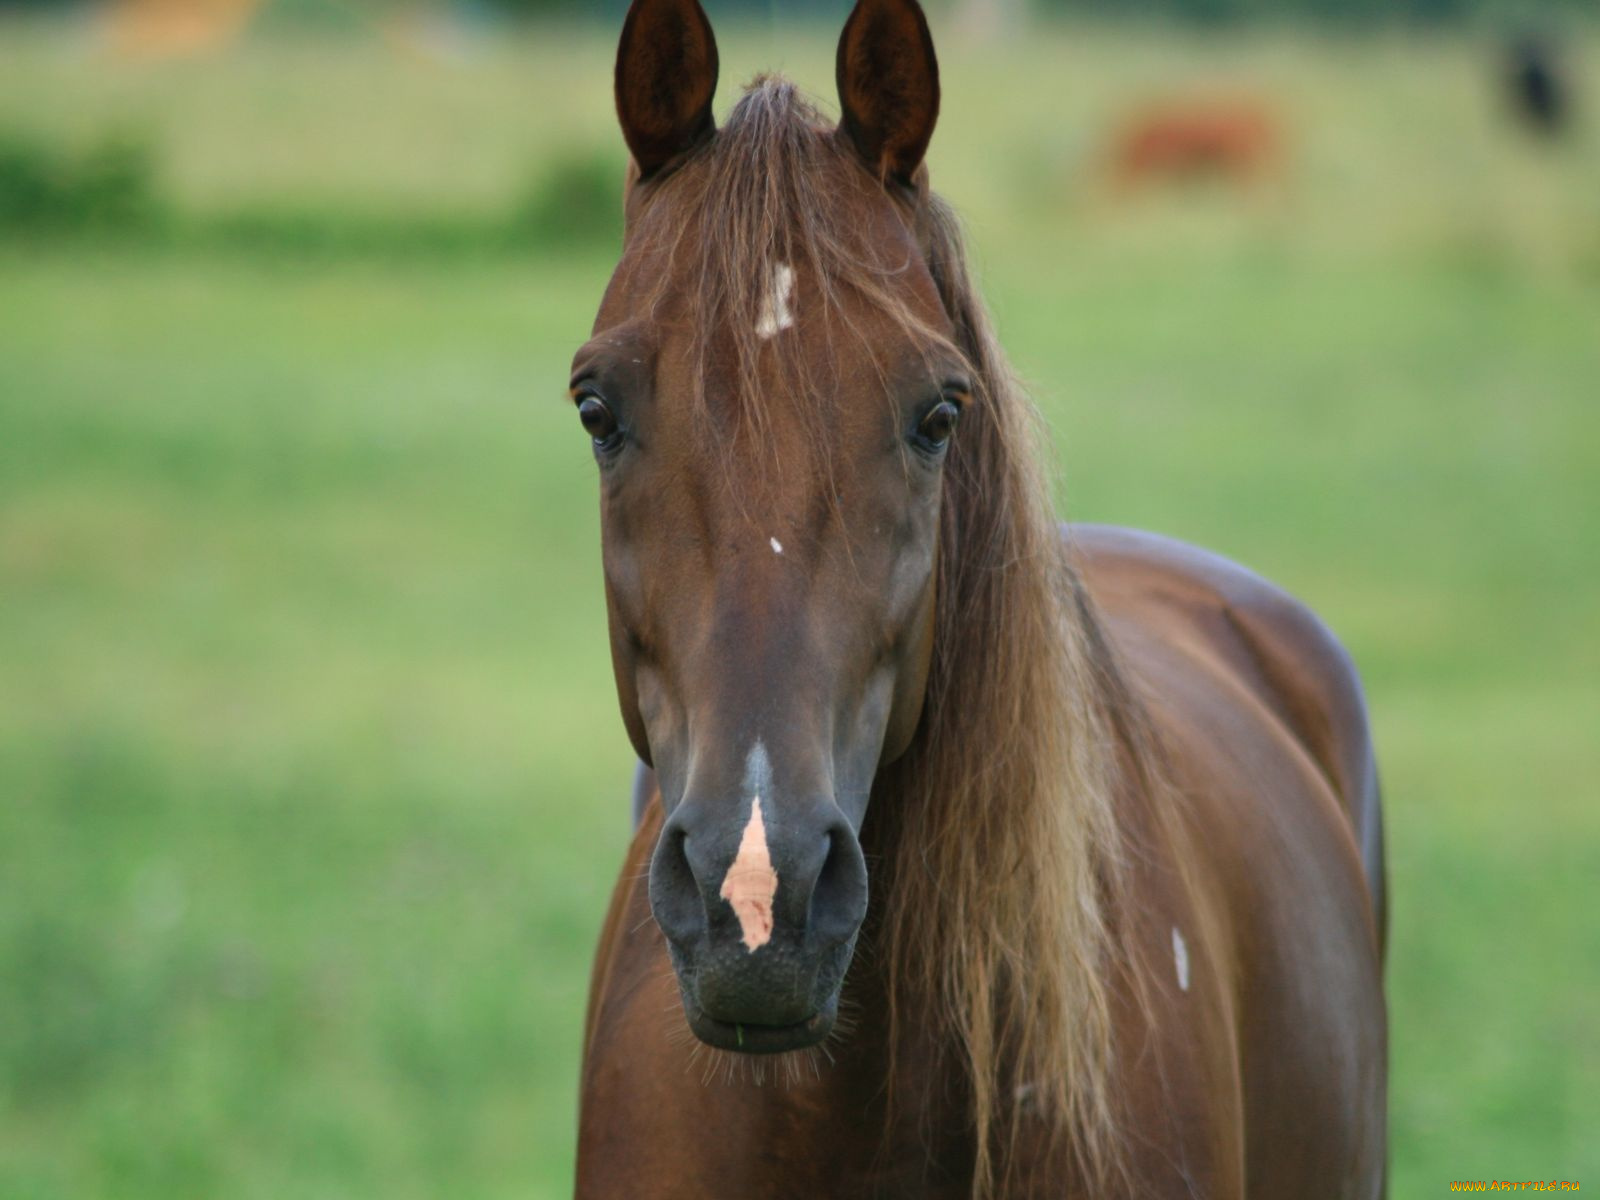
(994, 834)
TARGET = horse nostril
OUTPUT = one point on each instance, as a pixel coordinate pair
(674, 889)
(839, 896)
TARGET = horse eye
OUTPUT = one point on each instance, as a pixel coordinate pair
(938, 425)
(597, 420)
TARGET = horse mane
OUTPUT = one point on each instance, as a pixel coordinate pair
(994, 843)
(999, 831)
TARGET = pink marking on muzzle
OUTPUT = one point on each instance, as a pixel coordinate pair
(751, 883)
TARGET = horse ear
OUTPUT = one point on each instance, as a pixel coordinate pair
(888, 86)
(666, 77)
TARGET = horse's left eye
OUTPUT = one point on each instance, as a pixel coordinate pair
(937, 425)
(597, 420)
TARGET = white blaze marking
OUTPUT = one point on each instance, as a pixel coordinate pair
(777, 546)
(776, 315)
(757, 770)
(751, 882)
(1180, 958)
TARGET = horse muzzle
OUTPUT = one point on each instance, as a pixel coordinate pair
(761, 907)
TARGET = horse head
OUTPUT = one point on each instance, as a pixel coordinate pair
(772, 389)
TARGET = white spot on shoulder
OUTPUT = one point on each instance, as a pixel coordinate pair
(776, 311)
(777, 546)
(751, 882)
(1180, 958)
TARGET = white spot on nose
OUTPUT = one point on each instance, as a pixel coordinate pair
(776, 313)
(751, 883)
(757, 770)
(1180, 958)
(777, 546)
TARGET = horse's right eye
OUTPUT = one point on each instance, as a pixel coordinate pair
(597, 420)
(936, 427)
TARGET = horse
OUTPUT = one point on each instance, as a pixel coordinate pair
(1236, 140)
(978, 856)
(1537, 86)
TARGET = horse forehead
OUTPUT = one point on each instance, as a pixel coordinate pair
(663, 266)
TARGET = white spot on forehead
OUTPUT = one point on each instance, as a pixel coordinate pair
(776, 313)
(1180, 958)
(751, 882)
(777, 547)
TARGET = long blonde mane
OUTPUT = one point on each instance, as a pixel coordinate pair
(995, 850)
(998, 827)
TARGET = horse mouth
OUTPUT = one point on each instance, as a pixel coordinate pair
(763, 1039)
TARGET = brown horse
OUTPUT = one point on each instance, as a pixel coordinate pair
(1235, 141)
(977, 859)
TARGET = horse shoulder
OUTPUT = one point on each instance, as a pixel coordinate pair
(1287, 655)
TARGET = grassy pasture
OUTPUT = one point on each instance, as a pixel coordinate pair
(311, 783)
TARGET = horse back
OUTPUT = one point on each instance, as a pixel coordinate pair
(1275, 644)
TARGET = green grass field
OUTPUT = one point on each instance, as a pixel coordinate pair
(312, 787)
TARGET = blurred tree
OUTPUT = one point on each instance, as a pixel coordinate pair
(1345, 12)
(978, 16)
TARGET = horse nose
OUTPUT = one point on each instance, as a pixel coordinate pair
(791, 873)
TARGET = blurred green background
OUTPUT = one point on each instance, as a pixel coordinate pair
(312, 788)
